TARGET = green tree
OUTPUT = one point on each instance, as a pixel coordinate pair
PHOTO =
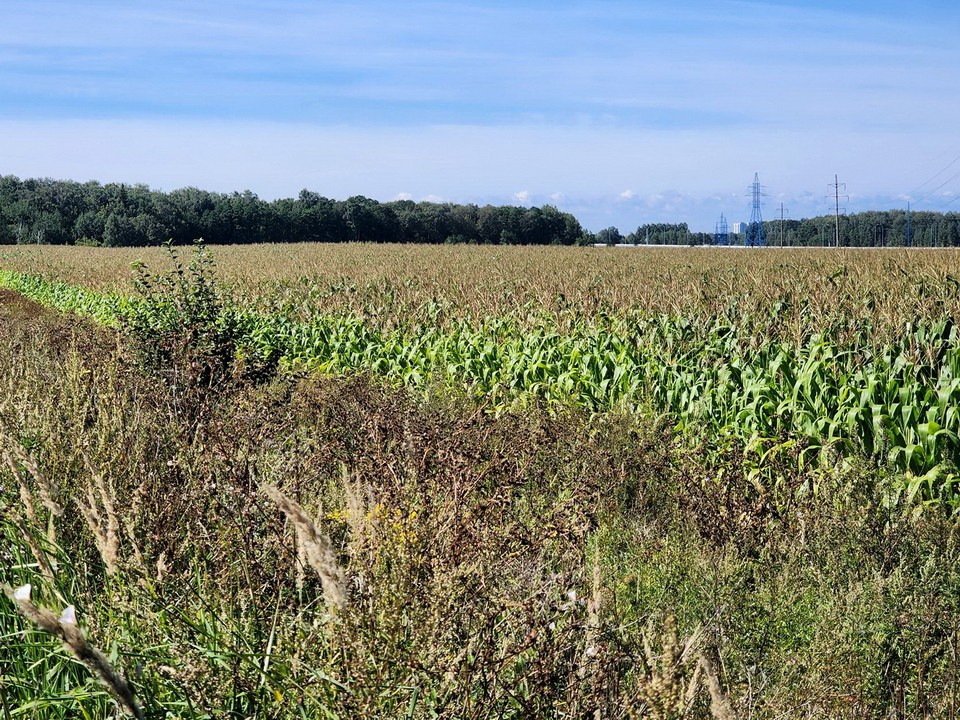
(89, 229)
(609, 236)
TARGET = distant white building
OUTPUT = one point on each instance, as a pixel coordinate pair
(740, 227)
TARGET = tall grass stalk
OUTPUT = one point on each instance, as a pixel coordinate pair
(66, 628)
(316, 547)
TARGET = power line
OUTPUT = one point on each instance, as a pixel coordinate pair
(950, 202)
(946, 182)
(935, 176)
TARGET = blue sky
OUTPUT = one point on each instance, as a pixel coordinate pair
(620, 112)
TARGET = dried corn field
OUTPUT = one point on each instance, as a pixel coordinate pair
(890, 287)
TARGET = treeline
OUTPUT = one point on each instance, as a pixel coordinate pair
(889, 228)
(872, 228)
(654, 234)
(63, 212)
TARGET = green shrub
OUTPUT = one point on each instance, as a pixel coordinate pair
(185, 329)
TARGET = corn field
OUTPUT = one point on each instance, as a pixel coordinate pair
(860, 360)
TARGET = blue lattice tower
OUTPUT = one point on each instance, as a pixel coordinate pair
(755, 235)
(721, 236)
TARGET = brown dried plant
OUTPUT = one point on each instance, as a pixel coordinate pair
(315, 547)
(673, 678)
(65, 627)
(720, 707)
(15, 458)
(357, 504)
(99, 510)
(18, 459)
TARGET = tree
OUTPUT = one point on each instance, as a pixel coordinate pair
(89, 228)
(369, 221)
(609, 236)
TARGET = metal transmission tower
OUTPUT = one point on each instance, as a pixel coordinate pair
(755, 233)
(721, 236)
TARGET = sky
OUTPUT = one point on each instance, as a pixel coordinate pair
(622, 113)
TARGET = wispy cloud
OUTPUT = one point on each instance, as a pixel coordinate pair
(646, 65)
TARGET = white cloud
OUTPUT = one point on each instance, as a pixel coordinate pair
(523, 197)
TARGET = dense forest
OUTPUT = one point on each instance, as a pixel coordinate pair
(64, 212)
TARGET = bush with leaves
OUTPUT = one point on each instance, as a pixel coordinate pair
(185, 329)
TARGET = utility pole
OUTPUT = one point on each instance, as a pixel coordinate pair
(908, 224)
(781, 224)
(836, 197)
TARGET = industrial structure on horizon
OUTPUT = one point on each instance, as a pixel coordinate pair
(751, 233)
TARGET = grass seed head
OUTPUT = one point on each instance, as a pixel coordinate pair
(316, 548)
(66, 628)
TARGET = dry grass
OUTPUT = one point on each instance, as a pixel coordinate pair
(100, 512)
(20, 462)
(22, 466)
(315, 548)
